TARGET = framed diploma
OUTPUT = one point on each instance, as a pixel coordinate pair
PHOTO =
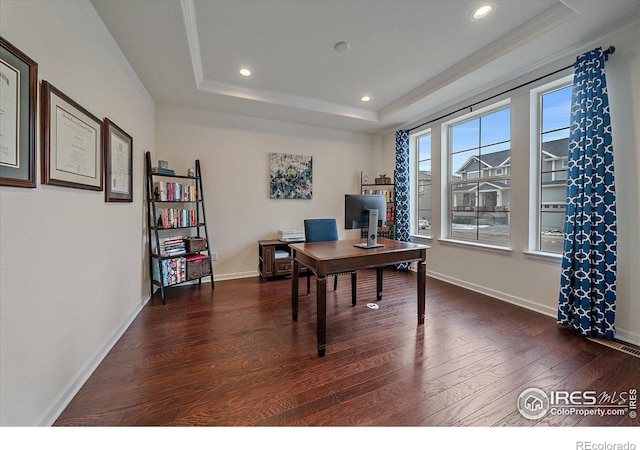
(18, 97)
(72, 153)
(118, 174)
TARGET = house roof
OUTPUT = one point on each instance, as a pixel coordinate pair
(556, 149)
(489, 160)
(482, 186)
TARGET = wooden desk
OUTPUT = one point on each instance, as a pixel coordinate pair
(326, 258)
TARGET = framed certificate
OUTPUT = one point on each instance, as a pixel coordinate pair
(118, 175)
(72, 153)
(18, 97)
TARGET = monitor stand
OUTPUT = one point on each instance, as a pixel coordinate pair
(372, 236)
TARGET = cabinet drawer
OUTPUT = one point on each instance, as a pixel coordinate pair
(283, 266)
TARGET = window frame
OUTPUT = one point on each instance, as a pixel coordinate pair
(447, 182)
(416, 188)
(535, 190)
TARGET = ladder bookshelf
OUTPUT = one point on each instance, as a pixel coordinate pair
(179, 250)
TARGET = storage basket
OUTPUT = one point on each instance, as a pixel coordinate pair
(198, 267)
(196, 244)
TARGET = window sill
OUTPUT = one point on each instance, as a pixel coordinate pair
(477, 245)
(420, 237)
(545, 256)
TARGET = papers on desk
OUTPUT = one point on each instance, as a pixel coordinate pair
(281, 254)
(291, 235)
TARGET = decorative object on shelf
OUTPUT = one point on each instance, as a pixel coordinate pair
(18, 103)
(179, 257)
(195, 244)
(118, 149)
(162, 171)
(290, 176)
(72, 152)
(383, 179)
(191, 172)
(162, 164)
(198, 266)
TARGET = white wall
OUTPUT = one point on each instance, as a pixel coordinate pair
(71, 265)
(234, 155)
(533, 282)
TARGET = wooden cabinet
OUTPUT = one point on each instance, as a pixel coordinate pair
(274, 259)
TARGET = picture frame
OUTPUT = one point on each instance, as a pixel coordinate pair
(18, 106)
(290, 176)
(71, 140)
(118, 173)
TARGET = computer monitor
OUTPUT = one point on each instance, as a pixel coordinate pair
(365, 211)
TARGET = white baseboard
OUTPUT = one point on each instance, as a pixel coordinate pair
(627, 336)
(236, 275)
(518, 301)
(49, 416)
(621, 334)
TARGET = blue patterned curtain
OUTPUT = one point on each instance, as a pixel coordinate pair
(588, 281)
(401, 177)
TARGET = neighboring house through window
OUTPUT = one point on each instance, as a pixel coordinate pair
(422, 207)
(476, 171)
(479, 156)
(554, 114)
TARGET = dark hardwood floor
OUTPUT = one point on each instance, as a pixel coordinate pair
(233, 357)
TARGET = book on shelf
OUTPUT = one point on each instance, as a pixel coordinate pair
(165, 191)
(391, 213)
(386, 192)
(162, 171)
(176, 218)
(197, 258)
(172, 246)
(173, 271)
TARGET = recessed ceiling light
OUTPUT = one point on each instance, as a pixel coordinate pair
(483, 11)
(341, 47)
(365, 98)
(245, 72)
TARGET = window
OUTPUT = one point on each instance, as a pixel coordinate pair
(479, 197)
(422, 172)
(553, 147)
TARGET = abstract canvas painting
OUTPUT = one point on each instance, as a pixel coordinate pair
(290, 176)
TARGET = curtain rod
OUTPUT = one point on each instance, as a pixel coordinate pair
(610, 51)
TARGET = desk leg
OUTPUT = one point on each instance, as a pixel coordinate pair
(422, 282)
(354, 283)
(379, 271)
(321, 300)
(294, 289)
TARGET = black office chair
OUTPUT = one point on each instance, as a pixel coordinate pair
(322, 230)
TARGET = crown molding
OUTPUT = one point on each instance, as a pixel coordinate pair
(212, 86)
(551, 18)
(558, 59)
(278, 98)
(190, 25)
